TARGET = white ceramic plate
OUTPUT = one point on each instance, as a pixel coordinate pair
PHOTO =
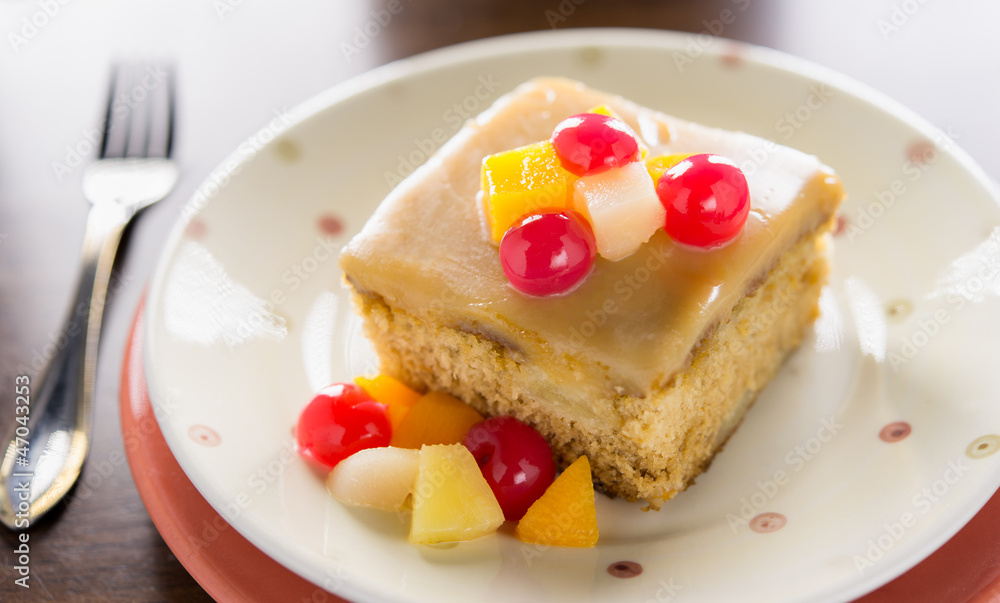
(818, 496)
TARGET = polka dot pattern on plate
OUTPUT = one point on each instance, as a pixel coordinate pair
(983, 447)
(768, 522)
(590, 56)
(624, 569)
(922, 152)
(206, 436)
(733, 55)
(195, 229)
(287, 150)
(894, 432)
(330, 224)
(898, 309)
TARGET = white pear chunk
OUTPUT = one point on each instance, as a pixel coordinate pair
(380, 478)
(622, 207)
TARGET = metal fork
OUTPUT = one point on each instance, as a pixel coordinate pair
(46, 448)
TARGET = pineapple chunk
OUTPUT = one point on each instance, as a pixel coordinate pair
(661, 163)
(622, 206)
(451, 499)
(381, 478)
(522, 181)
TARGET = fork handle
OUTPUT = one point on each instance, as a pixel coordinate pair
(39, 468)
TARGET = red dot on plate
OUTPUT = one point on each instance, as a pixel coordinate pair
(733, 55)
(624, 569)
(330, 224)
(768, 522)
(922, 152)
(195, 229)
(206, 436)
(894, 432)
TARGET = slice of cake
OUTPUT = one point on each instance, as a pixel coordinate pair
(650, 363)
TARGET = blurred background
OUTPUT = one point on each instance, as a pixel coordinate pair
(241, 62)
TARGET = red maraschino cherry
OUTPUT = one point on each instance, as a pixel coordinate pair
(590, 143)
(515, 459)
(548, 254)
(339, 421)
(706, 198)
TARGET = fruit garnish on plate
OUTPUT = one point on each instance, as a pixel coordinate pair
(461, 475)
(339, 421)
(565, 515)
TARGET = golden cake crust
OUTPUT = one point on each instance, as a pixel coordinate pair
(652, 447)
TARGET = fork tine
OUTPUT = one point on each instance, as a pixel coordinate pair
(171, 108)
(109, 117)
(161, 124)
(140, 112)
(138, 101)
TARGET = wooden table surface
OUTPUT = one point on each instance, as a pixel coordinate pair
(240, 61)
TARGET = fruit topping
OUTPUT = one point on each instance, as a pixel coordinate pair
(451, 499)
(523, 181)
(706, 198)
(339, 421)
(661, 163)
(622, 207)
(397, 397)
(381, 478)
(589, 143)
(515, 460)
(436, 418)
(549, 253)
(565, 515)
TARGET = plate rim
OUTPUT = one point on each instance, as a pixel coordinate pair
(529, 43)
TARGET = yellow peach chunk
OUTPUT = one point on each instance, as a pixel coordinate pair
(451, 499)
(436, 418)
(397, 397)
(565, 515)
(523, 181)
